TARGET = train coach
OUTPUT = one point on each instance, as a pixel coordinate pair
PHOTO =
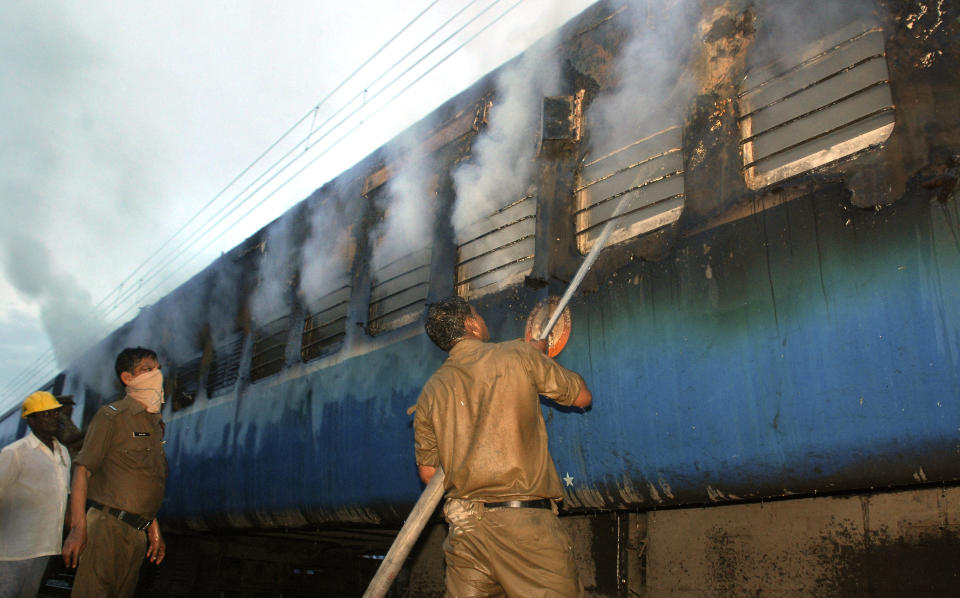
(771, 333)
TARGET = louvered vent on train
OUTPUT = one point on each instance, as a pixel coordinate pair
(398, 293)
(326, 321)
(646, 174)
(820, 107)
(188, 384)
(498, 250)
(270, 348)
(225, 365)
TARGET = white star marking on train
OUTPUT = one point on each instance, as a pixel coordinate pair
(568, 479)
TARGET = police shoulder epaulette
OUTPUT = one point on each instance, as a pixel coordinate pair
(111, 410)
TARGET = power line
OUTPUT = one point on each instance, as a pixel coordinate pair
(191, 241)
(46, 362)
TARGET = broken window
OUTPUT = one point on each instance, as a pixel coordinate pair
(270, 348)
(225, 365)
(808, 110)
(187, 384)
(642, 182)
(398, 292)
(326, 322)
(497, 250)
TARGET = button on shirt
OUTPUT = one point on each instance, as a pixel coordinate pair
(479, 418)
(34, 482)
(123, 449)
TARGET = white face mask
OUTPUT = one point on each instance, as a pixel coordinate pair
(147, 389)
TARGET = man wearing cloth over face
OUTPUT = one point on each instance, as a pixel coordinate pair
(122, 471)
(34, 480)
(478, 417)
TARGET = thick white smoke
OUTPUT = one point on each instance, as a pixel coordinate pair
(504, 154)
(327, 254)
(271, 299)
(409, 204)
(653, 86)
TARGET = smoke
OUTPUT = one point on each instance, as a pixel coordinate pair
(327, 254)
(786, 28)
(271, 299)
(503, 156)
(410, 204)
(66, 309)
(653, 86)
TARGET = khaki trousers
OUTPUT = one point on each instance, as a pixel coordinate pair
(110, 564)
(517, 553)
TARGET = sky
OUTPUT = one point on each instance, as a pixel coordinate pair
(123, 124)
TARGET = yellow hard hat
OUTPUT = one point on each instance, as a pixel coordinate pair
(38, 401)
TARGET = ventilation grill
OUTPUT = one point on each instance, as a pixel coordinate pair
(326, 323)
(399, 292)
(818, 110)
(498, 250)
(188, 384)
(270, 348)
(646, 175)
(225, 365)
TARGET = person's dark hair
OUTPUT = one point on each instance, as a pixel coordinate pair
(445, 321)
(128, 359)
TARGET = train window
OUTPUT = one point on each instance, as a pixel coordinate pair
(225, 365)
(326, 321)
(398, 292)
(270, 348)
(497, 250)
(647, 175)
(187, 384)
(796, 115)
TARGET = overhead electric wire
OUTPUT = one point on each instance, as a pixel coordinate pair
(170, 273)
(46, 362)
(270, 148)
(203, 229)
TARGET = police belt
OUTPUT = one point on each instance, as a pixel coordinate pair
(543, 503)
(131, 519)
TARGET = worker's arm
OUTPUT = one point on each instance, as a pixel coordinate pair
(584, 398)
(156, 548)
(426, 473)
(77, 538)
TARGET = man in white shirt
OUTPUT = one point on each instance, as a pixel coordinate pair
(34, 481)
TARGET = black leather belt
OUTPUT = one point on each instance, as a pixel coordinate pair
(543, 503)
(131, 519)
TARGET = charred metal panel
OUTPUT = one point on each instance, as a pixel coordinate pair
(225, 366)
(561, 122)
(187, 384)
(822, 106)
(398, 292)
(497, 250)
(325, 324)
(269, 348)
(647, 175)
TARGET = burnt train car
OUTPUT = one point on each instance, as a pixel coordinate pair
(771, 335)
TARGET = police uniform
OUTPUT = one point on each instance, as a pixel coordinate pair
(478, 417)
(123, 450)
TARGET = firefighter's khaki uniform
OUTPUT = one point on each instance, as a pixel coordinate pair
(123, 449)
(479, 418)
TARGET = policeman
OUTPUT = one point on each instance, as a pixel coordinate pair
(122, 471)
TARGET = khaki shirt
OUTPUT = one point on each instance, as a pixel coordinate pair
(123, 449)
(479, 417)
